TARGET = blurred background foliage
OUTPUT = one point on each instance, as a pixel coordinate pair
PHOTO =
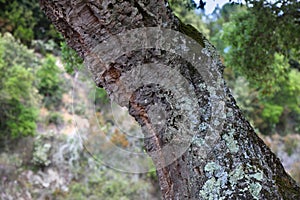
(25, 20)
(50, 84)
(18, 93)
(258, 42)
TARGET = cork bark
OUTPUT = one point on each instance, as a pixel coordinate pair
(224, 159)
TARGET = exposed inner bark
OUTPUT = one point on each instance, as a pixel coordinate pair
(237, 164)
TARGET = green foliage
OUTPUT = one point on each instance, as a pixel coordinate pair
(100, 98)
(152, 175)
(106, 186)
(288, 95)
(272, 113)
(79, 108)
(54, 118)
(25, 20)
(50, 83)
(14, 53)
(257, 41)
(215, 23)
(285, 101)
(183, 10)
(18, 19)
(21, 120)
(72, 62)
(101, 95)
(18, 95)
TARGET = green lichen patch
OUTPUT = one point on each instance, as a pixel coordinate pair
(214, 185)
(211, 189)
(258, 176)
(231, 143)
(255, 189)
(211, 167)
(252, 180)
(236, 175)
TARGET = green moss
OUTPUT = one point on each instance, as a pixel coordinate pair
(192, 32)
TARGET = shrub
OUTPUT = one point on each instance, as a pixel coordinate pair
(41, 151)
(22, 122)
(72, 62)
(107, 186)
(79, 109)
(101, 96)
(272, 113)
(18, 95)
(50, 84)
(55, 118)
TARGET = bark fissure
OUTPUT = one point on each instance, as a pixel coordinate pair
(140, 113)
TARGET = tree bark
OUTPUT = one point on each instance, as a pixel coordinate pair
(221, 155)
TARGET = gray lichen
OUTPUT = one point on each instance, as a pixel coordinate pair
(231, 143)
(211, 189)
(236, 175)
(255, 189)
(252, 180)
(213, 186)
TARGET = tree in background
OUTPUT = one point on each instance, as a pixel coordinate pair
(216, 20)
(262, 44)
(262, 40)
(72, 62)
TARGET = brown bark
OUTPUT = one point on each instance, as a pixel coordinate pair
(225, 159)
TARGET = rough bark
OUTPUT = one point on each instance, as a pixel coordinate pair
(229, 163)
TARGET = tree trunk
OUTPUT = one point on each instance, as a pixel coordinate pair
(170, 78)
